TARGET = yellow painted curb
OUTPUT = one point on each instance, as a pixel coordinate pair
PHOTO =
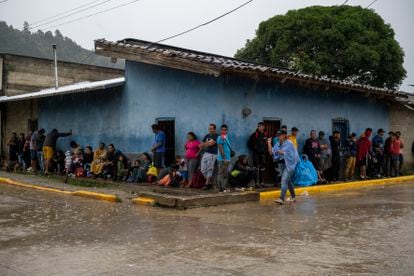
(15, 183)
(340, 186)
(93, 195)
(100, 196)
(143, 201)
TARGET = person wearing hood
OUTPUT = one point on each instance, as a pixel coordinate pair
(286, 153)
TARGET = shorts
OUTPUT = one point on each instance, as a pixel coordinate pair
(159, 158)
(184, 175)
(48, 152)
(33, 155)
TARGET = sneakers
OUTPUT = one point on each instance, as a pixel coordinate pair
(279, 201)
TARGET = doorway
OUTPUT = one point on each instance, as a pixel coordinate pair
(271, 126)
(167, 125)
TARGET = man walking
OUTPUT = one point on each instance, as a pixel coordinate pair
(158, 147)
(285, 151)
(210, 150)
(223, 158)
(258, 145)
(49, 146)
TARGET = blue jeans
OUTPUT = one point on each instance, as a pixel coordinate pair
(286, 182)
(41, 161)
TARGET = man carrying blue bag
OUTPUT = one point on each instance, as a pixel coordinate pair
(285, 152)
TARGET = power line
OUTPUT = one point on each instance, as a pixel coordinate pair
(206, 23)
(346, 1)
(70, 14)
(92, 14)
(372, 3)
(64, 12)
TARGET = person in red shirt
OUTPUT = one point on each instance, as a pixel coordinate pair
(401, 155)
(395, 155)
(364, 147)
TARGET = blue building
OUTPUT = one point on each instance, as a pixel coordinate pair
(185, 90)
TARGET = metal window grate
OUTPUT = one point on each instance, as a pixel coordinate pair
(341, 125)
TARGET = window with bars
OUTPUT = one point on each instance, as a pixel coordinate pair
(341, 125)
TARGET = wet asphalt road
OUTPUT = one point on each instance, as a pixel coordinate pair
(367, 231)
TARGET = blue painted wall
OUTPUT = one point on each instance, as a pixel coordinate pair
(194, 100)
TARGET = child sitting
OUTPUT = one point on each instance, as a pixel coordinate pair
(68, 162)
(121, 170)
(77, 163)
(134, 172)
(182, 169)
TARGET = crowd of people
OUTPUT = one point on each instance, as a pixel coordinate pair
(208, 161)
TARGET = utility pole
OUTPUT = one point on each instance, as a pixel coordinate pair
(56, 69)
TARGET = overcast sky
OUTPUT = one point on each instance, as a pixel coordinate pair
(156, 19)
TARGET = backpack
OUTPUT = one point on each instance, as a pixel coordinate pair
(305, 174)
(198, 180)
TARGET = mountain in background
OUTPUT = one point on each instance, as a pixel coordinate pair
(39, 44)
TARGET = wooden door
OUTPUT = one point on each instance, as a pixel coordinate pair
(271, 126)
(168, 126)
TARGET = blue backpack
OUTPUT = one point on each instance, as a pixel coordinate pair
(305, 174)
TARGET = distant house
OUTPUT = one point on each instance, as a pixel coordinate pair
(185, 90)
(20, 76)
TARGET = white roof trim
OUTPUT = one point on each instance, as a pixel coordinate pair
(67, 89)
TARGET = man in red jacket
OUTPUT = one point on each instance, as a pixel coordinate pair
(364, 147)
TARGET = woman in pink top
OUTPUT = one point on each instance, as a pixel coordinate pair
(191, 155)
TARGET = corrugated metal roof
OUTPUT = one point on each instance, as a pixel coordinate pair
(226, 64)
(67, 89)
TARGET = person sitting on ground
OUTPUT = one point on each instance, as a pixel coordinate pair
(87, 160)
(99, 158)
(325, 157)
(111, 164)
(172, 178)
(312, 149)
(242, 175)
(134, 172)
(350, 157)
(74, 147)
(49, 146)
(77, 163)
(59, 162)
(183, 170)
(364, 147)
(121, 168)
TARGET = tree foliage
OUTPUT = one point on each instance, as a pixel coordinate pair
(39, 44)
(342, 42)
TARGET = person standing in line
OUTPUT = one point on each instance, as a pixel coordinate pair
(285, 151)
(312, 149)
(293, 135)
(158, 147)
(191, 155)
(335, 141)
(387, 155)
(49, 147)
(36, 147)
(395, 155)
(258, 145)
(378, 148)
(325, 158)
(364, 147)
(350, 155)
(223, 158)
(401, 154)
(210, 150)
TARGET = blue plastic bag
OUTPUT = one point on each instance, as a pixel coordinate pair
(305, 174)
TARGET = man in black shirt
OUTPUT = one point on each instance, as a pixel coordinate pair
(258, 145)
(13, 150)
(210, 149)
(335, 140)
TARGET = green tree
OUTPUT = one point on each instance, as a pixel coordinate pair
(343, 42)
